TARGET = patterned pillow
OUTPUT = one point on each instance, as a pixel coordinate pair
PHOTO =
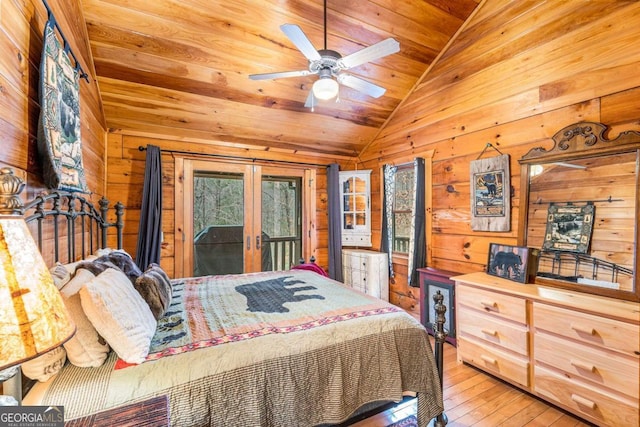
(155, 288)
(60, 275)
(44, 367)
(119, 314)
(114, 259)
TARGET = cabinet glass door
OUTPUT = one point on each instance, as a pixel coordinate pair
(355, 203)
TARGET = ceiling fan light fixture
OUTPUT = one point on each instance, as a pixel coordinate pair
(325, 88)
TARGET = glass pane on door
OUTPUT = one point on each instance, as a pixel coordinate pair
(281, 222)
(218, 223)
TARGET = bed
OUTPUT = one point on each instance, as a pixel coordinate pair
(290, 348)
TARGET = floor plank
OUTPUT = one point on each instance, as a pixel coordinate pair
(473, 398)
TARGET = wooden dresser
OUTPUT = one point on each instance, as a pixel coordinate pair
(578, 351)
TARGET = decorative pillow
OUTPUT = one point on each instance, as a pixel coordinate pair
(115, 259)
(71, 267)
(60, 275)
(97, 266)
(103, 251)
(86, 348)
(154, 287)
(119, 314)
(44, 367)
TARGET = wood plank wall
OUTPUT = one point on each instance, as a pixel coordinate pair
(516, 74)
(21, 28)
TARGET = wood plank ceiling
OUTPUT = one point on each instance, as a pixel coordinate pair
(179, 68)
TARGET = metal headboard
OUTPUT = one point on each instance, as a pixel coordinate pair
(64, 215)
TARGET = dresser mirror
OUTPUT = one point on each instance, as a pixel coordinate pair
(579, 206)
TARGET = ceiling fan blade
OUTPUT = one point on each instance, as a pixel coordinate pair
(311, 100)
(371, 53)
(361, 85)
(301, 41)
(280, 75)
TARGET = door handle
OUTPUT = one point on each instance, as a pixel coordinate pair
(257, 242)
(248, 242)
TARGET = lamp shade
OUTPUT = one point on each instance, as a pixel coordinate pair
(33, 317)
(325, 88)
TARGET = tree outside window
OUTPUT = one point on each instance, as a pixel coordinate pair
(403, 207)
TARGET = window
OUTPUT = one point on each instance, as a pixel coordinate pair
(404, 216)
(403, 196)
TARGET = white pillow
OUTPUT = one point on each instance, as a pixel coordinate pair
(119, 314)
(44, 367)
(86, 348)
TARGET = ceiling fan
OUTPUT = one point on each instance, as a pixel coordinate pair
(329, 64)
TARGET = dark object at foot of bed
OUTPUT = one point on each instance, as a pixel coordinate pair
(153, 412)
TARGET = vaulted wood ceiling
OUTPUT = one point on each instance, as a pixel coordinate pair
(179, 68)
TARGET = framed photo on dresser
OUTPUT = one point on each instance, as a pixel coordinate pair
(516, 263)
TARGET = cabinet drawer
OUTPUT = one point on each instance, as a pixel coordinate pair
(492, 360)
(356, 240)
(587, 328)
(591, 363)
(511, 336)
(599, 406)
(505, 306)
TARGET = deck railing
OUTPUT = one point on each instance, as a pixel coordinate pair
(285, 252)
(401, 244)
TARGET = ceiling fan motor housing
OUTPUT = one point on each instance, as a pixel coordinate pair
(328, 60)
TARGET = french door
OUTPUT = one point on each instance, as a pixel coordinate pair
(239, 218)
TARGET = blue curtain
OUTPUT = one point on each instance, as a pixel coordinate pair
(150, 226)
(335, 224)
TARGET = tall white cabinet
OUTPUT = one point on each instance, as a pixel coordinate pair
(366, 271)
(355, 196)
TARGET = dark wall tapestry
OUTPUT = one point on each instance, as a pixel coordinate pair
(59, 142)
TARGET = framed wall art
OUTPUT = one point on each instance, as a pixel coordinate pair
(513, 262)
(490, 194)
(569, 227)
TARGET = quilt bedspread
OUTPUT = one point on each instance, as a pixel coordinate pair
(264, 349)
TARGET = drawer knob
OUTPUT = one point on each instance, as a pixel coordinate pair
(583, 329)
(492, 333)
(582, 401)
(488, 359)
(583, 365)
(489, 306)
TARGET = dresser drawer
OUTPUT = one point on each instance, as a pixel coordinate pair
(599, 406)
(587, 328)
(492, 360)
(503, 306)
(512, 336)
(590, 363)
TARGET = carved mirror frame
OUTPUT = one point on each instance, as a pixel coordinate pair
(585, 143)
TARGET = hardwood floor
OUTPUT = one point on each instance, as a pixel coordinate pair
(473, 398)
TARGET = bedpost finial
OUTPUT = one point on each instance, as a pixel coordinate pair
(10, 188)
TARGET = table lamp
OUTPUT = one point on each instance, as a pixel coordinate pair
(33, 318)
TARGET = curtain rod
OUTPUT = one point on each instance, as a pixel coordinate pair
(229, 157)
(67, 48)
